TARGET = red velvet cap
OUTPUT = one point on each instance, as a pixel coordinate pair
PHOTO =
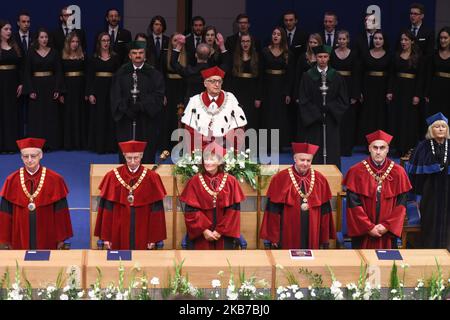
(30, 143)
(132, 146)
(304, 148)
(214, 148)
(379, 135)
(214, 71)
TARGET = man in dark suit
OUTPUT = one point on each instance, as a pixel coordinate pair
(243, 23)
(157, 41)
(194, 38)
(297, 38)
(424, 35)
(23, 36)
(120, 38)
(329, 34)
(60, 34)
(365, 41)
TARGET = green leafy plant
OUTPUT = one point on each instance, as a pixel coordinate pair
(179, 285)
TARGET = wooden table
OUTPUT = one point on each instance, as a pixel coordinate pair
(155, 263)
(421, 263)
(345, 265)
(43, 273)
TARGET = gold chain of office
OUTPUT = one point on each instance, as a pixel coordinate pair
(304, 206)
(378, 179)
(31, 197)
(130, 197)
(210, 192)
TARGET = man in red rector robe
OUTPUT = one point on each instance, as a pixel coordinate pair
(212, 204)
(214, 114)
(131, 212)
(33, 210)
(298, 212)
(376, 197)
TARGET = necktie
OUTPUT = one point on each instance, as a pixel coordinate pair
(290, 38)
(113, 39)
(24, 43)
(197, 41)
(414, 31)
(328, 39)
(158, 47)
(67, 31)
(371, 42)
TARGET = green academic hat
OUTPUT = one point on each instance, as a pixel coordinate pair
(138, 45)
(322, 49)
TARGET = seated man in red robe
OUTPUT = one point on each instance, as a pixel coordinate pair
(131, 212)
(298, 212)
(33, 212)
(212, 204)
(214, 114)
(376, 197)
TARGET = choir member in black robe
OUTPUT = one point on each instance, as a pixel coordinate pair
(175, 87)
(10, 88)
(405, 91)
(429, 172)
(278, 75)
(314, 114)
(346, 63)
(137, 117)
(375, 73)
(73, 97)
(43, 81)
(244, 78)
(219, 55)
(438, 76)
(101, 68)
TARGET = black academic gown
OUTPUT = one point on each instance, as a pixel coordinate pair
(311, 112)
(437, 85)
(145, 111)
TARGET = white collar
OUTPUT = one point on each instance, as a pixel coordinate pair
(370, 33)
(332, 32)
(417, 27)
(24, 34)
(116, 28)
(32, 174)
(320, 71)
(292, 31)
(138, 68)
(64, 26)
(157, 35)
(133, 171)
(215, 98)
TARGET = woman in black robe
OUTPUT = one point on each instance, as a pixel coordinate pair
(243, 79)
(75, 109)
(10, 88)
(404, 94)
(429, 173)
(174, 95)
(102, 132)
(375, 71)
(43, 82)
(276, 81)
(437, 86)
(346, 63)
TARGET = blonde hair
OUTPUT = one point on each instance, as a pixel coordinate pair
(309, 51)
(182, 58)
(66, 51)
(430, 134)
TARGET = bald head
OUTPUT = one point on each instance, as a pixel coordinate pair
(202, 52)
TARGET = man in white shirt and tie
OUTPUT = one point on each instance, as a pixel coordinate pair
(425, 36)
(329, 35)
(23, 35)
(195, 38)
(66, 27)
(158, 41)
(120, 38)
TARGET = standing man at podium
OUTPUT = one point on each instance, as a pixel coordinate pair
(298, 212)
(131, 212)
(376, 197)
(137, 95)
(33, 211)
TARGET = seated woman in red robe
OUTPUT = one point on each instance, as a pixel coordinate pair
(33, 211)
(212, 204)
(298, 212)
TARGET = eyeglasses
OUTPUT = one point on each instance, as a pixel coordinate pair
(32, 156)
(214, 81)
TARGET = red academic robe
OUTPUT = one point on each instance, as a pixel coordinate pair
(285, 224)
(200, 213)
(116, 218)
(362, 204)
(235, 137)
(44, 227)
